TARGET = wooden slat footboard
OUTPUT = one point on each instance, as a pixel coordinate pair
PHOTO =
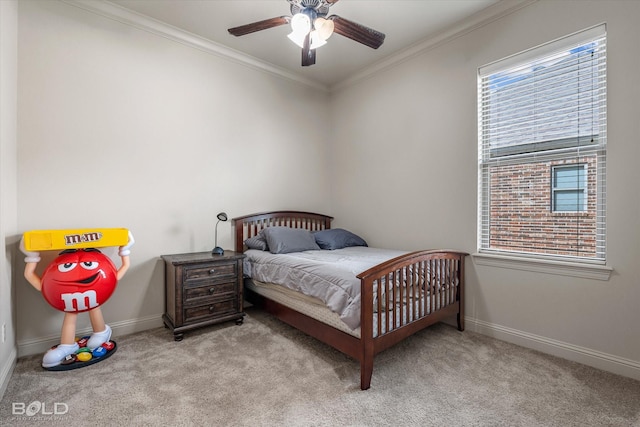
(399, 297)
(406, 294)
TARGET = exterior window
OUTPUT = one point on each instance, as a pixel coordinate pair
(542, 151)
(569, 189)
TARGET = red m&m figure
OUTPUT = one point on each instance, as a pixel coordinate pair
(79, 280)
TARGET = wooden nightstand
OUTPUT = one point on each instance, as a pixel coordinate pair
(202, 289)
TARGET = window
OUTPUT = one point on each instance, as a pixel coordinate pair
(568, 189)
(542, 151)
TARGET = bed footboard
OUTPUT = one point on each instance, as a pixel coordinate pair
(406, 294)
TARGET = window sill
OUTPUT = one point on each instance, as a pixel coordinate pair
(563, 268)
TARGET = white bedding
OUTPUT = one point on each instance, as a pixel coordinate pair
(327, 275)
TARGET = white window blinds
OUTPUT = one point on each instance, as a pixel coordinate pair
(540, 110)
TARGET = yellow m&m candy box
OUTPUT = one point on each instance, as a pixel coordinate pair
(75, 238)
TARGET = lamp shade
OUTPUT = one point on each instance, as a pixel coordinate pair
(300, 23)
(324, 27)
(297, 38)
(300, 27)
(316, 40)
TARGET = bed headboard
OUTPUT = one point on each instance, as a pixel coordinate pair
(249, 225)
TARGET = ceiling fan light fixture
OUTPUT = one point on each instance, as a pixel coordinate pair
(311, 26)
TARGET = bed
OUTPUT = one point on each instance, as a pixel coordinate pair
(397, 297)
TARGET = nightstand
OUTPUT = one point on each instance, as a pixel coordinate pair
(202, 289)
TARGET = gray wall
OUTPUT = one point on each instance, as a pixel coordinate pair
(122, 128)
(8, 184)
(404, 158)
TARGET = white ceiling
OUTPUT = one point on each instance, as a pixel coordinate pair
(405, 23)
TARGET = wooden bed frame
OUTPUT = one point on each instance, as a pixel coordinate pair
(444, 289)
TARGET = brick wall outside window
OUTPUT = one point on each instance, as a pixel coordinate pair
(521, 216)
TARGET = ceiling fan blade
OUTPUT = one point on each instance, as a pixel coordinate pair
(331, 1)
(365, 35)
(308, 54)
(259, 26)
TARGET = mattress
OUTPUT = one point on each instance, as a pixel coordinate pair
(310, 306)
(329, 276)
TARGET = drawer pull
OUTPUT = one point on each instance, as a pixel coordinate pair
(212, 290)
(211, 308)
(213, 270)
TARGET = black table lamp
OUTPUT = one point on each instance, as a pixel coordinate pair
(218, 250)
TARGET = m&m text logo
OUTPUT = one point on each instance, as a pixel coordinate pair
(74, 239)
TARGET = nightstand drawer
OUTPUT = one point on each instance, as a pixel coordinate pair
(210, 290)
(209, 271)
(204, 311)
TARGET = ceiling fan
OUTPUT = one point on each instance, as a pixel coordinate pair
(311, 27)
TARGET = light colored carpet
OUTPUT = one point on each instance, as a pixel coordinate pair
(265, 373)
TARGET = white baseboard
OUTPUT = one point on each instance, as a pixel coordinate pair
(597, 359)
(6, 371)
(42, 344)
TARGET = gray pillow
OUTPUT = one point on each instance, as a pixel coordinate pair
(257, 242)
(283, 240)
(337, 238)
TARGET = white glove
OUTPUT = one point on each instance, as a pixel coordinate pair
(126, 249)
(30, 256)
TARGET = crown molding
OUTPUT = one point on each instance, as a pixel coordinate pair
(159, 28)
(162, 29)
(478, 20)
